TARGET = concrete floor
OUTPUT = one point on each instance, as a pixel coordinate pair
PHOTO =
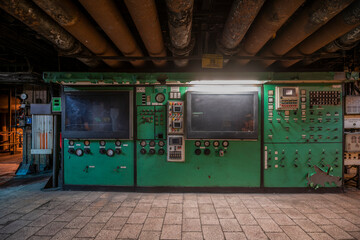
(26, 212)
(8, 166)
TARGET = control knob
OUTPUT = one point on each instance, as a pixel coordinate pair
(79, 152)
(110, 152)
(118, 151)
(87, 151)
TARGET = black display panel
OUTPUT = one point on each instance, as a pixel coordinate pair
(97, 115)
(222, 116)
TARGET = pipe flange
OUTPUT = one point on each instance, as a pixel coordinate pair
(227, 51)
(183, 51)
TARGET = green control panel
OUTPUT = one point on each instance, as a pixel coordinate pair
(302, 129)
(206, 162)
(98, 162)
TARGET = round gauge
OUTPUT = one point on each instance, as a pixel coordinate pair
(110, 152)
(216, 143)
(143, 143)
(71, 142)
(152, 143)
(225, 143)
(79, 152)
(152, 151)
(207, 143)
(86, 142)
(161, 151)
(102, 143)
(161, 143)
(197, 143)
(118, 143)
(160, 97)
(23, 96)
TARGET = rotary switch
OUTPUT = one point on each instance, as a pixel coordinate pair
(79, 152)
(110, 152)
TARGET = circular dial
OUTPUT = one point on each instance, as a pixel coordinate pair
(143, 143)
(225, 143)
(161, 143)
(110, 152)
(23, 96)
(102, 143)
(207, 143)
(71, 142)
(86, 142)
(160, 97)
(197, 143)
(161, 151)
(197, 151)
(216, 143)
(118, 151)
(118, 143)
(79, 152)
(143, 151)
(152, 151)
(152, 143)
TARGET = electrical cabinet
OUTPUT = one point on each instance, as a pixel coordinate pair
(305, 135)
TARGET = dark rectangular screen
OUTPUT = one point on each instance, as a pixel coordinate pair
(97, 115)
(222, 115)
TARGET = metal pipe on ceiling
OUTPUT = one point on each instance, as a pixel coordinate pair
(145, 17)
(269, 20)
(310, 19)
(345, 42)
(28, 13)
(335, 28)
(242, 14)
(109, 18)
(67, 14)
(180, 14)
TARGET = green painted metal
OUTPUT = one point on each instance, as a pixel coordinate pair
(320, 124)
(294, 144)
(56, 104)
(288, 164)
(239, 167)
(99, 169)
(93, 78)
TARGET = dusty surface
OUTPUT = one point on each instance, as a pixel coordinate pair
(26, 212)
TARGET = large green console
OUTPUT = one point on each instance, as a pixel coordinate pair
(151, 136)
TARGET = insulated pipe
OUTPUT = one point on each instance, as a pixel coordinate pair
(338, 26)
(145, 17)
(271, 17)
(346, 42)
(242, 14)
(310, 19)
(180, 14)
(109, 18)
(28, 13)
(69, 17)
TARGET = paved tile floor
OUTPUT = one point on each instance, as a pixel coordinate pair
(28, 213)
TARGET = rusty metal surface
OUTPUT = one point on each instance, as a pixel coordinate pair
(109, 18)
(70, 17)
(33, 17)
(180, 14)
(335, 28)
(145, 17)
(271, 17)
(241, 16)
(306, 23)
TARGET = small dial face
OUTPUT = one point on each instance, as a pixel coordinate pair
(79, 152)
(197, 143)
(225, 143)
(71, 142)
(160, 97)
(110, 152)
(23, 96)
(152, 143)
(143, 143)
(161, 143)
(118, 143)
(86, 142)
(207, 143)
(216, 143)
(102, 143)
